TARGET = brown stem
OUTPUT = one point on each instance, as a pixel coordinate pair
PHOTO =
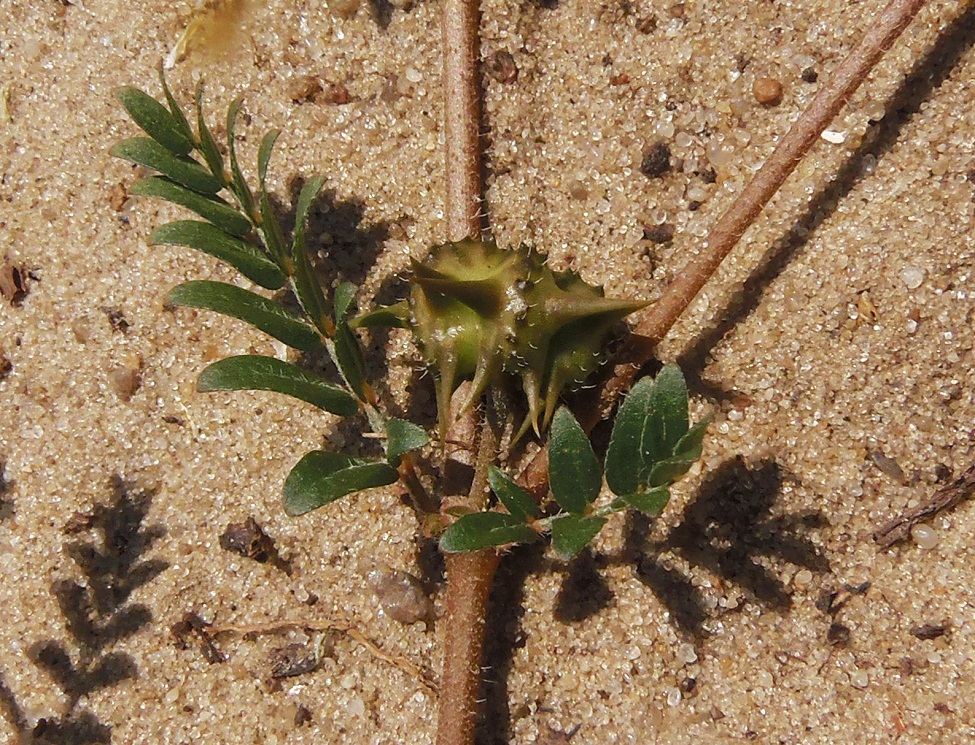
(781, 163)
(462, 144)
(744, 211)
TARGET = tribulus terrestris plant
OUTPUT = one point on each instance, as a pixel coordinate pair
(495, 325)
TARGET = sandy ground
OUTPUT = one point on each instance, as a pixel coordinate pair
(835, 350)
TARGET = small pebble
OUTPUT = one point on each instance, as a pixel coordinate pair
(656, 160)
(833, 137)
(803, 577)
(859, 679)
(673, 696)
(912, 276)
(686, 654)
(925, 536)
(767, 91)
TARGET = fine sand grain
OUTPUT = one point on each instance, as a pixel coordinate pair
(835, 350)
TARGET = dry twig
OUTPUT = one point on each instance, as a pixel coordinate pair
(899, 529)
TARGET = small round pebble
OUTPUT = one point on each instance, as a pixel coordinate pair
(912, 276)
(859, 679)
(924, 536)
(767, 91)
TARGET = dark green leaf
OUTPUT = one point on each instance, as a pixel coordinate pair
(178, 116)
(392, 316)
(670, 405)
(239, 185)
(208, 146)
(346, 350)
(270, 317)
(322, 477)
(650, 423)
(483, 529)
(571, 533)
(224, 216)
(264, 155)
(271, 231)
(686, 452)
(342, 300)
(402, 437)
(519, 502)
(245, 257)
(147, 152)
(260, 373)
(306, 284)
(574, 472)
(155, 120)
(651, 502)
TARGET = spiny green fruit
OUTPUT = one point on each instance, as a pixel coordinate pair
(480, 312)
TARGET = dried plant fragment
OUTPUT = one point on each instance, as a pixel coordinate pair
(212, 30)
(945, 498)
(249, 540)
(13, 283)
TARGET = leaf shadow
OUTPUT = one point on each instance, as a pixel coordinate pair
(97, 615)
(925, 77)
(726, 530)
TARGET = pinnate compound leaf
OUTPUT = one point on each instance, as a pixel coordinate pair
(270, 317)
(649, 426)
(402, 437)
(259, 373)
(571, 533)
(147, 152)
(155, 120)
(484, 529)
(519, 502)
(213, 209)
(574, 472)
(245, 257)
(321, 477)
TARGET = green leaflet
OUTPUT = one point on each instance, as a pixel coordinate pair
(146, 152)
(571, 533)
(519, 502)
(208, 146)
(574, 471)
(649, 425)
(155, 120)
(270, 317)
(321, 477)
(257, 372)
(210, 208)
(306, 285)
(345, 347)
(402, 437)
(484, 529)
(245, 257)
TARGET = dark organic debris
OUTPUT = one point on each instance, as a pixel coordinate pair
(929, 631)
(299, 659)
(192, 625)
(249, 540)
(13, 283)
(656, 160)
